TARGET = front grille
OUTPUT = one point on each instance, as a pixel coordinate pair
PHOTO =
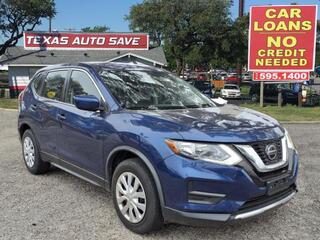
(260, 148)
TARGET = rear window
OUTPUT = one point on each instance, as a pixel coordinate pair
(53, 84)
(37, 83)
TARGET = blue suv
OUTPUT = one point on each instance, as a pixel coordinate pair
(166, 152)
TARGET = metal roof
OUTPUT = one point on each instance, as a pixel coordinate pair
(18, 56)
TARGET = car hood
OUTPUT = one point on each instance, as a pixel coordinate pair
(228, 123)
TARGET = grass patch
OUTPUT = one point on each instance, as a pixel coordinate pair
(288, 113)
(9, 103)
(245, 89)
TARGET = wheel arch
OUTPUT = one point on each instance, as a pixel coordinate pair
(22, 128)
(131, 152)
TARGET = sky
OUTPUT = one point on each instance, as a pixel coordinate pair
(72, 15)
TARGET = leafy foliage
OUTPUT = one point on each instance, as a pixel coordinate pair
(96, 29)
(17, 16)
(195, 32)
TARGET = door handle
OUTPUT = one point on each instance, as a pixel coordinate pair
(61, 116)
(33, 107)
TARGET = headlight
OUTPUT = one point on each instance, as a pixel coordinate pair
(289, 140)
(217, 153)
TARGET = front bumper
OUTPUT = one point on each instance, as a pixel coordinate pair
(199, 218)
(245, 193)
(231, 95)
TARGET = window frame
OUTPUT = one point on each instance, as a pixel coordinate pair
(64, 84)
(42, 76)
(67, 85)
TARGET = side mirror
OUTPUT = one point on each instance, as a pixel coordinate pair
(87, 102)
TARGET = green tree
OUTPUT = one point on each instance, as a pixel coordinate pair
(183, 26)
(17, 16)
(97, 29)
(147, 17)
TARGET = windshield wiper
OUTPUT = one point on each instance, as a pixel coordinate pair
(151, 107)
(171, 107)
(198, 106)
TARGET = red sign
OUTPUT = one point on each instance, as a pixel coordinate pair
(280, 76)
(93, 41)
(282, 38)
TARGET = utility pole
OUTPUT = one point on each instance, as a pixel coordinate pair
(241, 7)
(50, 24)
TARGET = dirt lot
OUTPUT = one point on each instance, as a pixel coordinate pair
(59, 206)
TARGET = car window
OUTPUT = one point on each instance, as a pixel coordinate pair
(80, 84)
(37, 83)
(53, 84)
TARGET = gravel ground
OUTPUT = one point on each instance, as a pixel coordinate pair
(59, 206)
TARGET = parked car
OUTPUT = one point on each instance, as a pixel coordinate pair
(233, 78)
(204, 87)
(270, 93)
(246, 77)
(202, 77)
(230, 91)
(222, 75)
(166, 152)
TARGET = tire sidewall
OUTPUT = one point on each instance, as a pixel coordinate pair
(152, 215)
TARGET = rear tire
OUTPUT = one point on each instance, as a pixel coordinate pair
(134, 191)
(31, 154)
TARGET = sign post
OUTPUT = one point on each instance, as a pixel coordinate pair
(282, 42)
(261, 93)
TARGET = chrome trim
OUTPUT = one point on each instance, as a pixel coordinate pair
(68, 69)
(255, 159)
(75, 174)
(206, 194)
(92, 80)
(266, 208)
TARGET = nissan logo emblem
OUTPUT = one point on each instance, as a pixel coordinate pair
(271, 151)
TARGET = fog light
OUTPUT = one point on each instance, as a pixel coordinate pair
(204, 197)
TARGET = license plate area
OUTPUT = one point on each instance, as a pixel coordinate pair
(278, 185)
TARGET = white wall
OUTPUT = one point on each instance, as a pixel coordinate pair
(20, 76)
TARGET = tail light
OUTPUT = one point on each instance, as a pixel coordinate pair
(20, 100)
(20, 97)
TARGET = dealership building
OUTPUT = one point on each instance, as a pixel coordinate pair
(22, 63)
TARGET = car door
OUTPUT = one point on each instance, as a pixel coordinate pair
(45, 109)
(81, 133)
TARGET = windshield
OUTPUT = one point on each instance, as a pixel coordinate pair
(152, 89)
(230, 87)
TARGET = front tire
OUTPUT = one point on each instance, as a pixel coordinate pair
(31, 154)
(135, 197)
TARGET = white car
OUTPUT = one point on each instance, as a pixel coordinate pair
(230, 91)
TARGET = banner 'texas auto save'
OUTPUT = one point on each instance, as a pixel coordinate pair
(92, 41)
